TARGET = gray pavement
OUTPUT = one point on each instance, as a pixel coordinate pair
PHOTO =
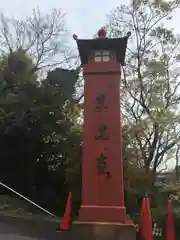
(12, 228)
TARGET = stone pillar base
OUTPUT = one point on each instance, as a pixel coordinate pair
(102, 214)
(103, 231)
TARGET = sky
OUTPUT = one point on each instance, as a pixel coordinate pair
(84, 17)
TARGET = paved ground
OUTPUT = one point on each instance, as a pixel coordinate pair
(12, 228)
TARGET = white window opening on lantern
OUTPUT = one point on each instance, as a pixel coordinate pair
(103, 56)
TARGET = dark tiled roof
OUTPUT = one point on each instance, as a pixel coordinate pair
(118, 45)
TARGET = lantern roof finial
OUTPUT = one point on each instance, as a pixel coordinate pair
(102, 33)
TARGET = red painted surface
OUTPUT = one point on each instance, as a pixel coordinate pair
(102, 196)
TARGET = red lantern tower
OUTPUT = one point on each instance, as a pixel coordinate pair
(102, 171)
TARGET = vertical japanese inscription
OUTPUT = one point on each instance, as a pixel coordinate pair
(102, 133)
(101, 103)
(101, 163)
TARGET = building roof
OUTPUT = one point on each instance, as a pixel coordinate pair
(118, 45)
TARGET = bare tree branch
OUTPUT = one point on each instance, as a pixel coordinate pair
(150, 78)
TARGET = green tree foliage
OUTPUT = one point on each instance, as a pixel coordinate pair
(39, 138)
(40, 134)
(16, 69)
(150, 83)
(137, 181)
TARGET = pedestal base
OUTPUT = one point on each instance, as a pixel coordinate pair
(102, 214)
(103, 231)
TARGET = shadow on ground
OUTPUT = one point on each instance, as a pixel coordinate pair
(31, 229)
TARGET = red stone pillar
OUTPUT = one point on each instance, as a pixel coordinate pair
(102, 182)
(102, 168)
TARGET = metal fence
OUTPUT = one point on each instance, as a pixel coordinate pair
(156, 231)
